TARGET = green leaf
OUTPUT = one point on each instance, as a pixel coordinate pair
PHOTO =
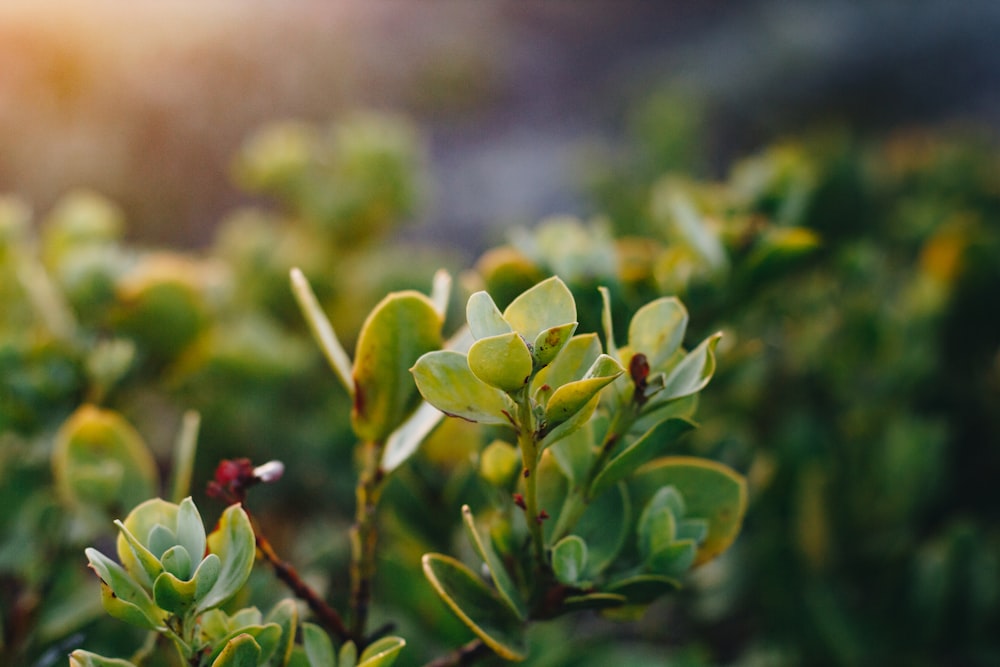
(595, 601)
(317, 645)
(692, 374)
(135, 556)
(206, 575)
(548, 304)
(672, 560)
(233, 542)
(322, 330)
(549, 343)
(382, 653)
(572, 363)
(651, 444)
(401, 328)
(502, 361)
(173, 595)
(644, 588)
(99, 459)
(177, 562)
(657, 330)
(501, 579)
(121, 595)
(604, 526)
(570, 426)
(285, 615)
(478, 606)
(445, 381)
(657, 530)
(575, 454)
(190, 530)
(571, 397)
(267, 638)
(241, 651)
(569, 559)
(711, 491)
(484, 317)
(81, 658)
(348, 656)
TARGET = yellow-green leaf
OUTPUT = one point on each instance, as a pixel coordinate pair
(233, 542)
(400, 329)
(99, 459)
(446, 382)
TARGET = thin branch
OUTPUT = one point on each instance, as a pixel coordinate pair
(463, 655)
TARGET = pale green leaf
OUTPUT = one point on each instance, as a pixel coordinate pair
(657, 330)
(546, 305)
(190, 530)
(322, 330)
(446, 382)
(484, 318)
(80, 658)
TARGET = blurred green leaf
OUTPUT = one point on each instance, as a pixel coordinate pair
(400, 329)
(569, 559)
(479, 607)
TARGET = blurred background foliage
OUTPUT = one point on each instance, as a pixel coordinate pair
(825, 217)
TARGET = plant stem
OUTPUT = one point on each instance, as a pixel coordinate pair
(364, 538)
(527, 440)
(327, 615)
(462, 656)
(579, 498)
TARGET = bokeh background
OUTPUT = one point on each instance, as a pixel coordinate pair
(148, 102)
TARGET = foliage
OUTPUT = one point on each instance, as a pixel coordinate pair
(855, 384)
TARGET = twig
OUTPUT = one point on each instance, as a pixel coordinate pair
(463, 655)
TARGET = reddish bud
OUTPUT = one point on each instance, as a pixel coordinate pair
(519, 501)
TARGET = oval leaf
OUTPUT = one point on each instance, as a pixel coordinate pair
(548, 304)
(549, 342)
(382, 653)
(445, 381)
(657, 330)
(502, 361)
(573, 396)
(604, 526)
(478, 606)
(710, 490)
(403, 326)
(317, 644)
(569, 559)
(233, 542)
(80, 658)
(484, 317)
(98, 458)
(691, 374)
(241, 651)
